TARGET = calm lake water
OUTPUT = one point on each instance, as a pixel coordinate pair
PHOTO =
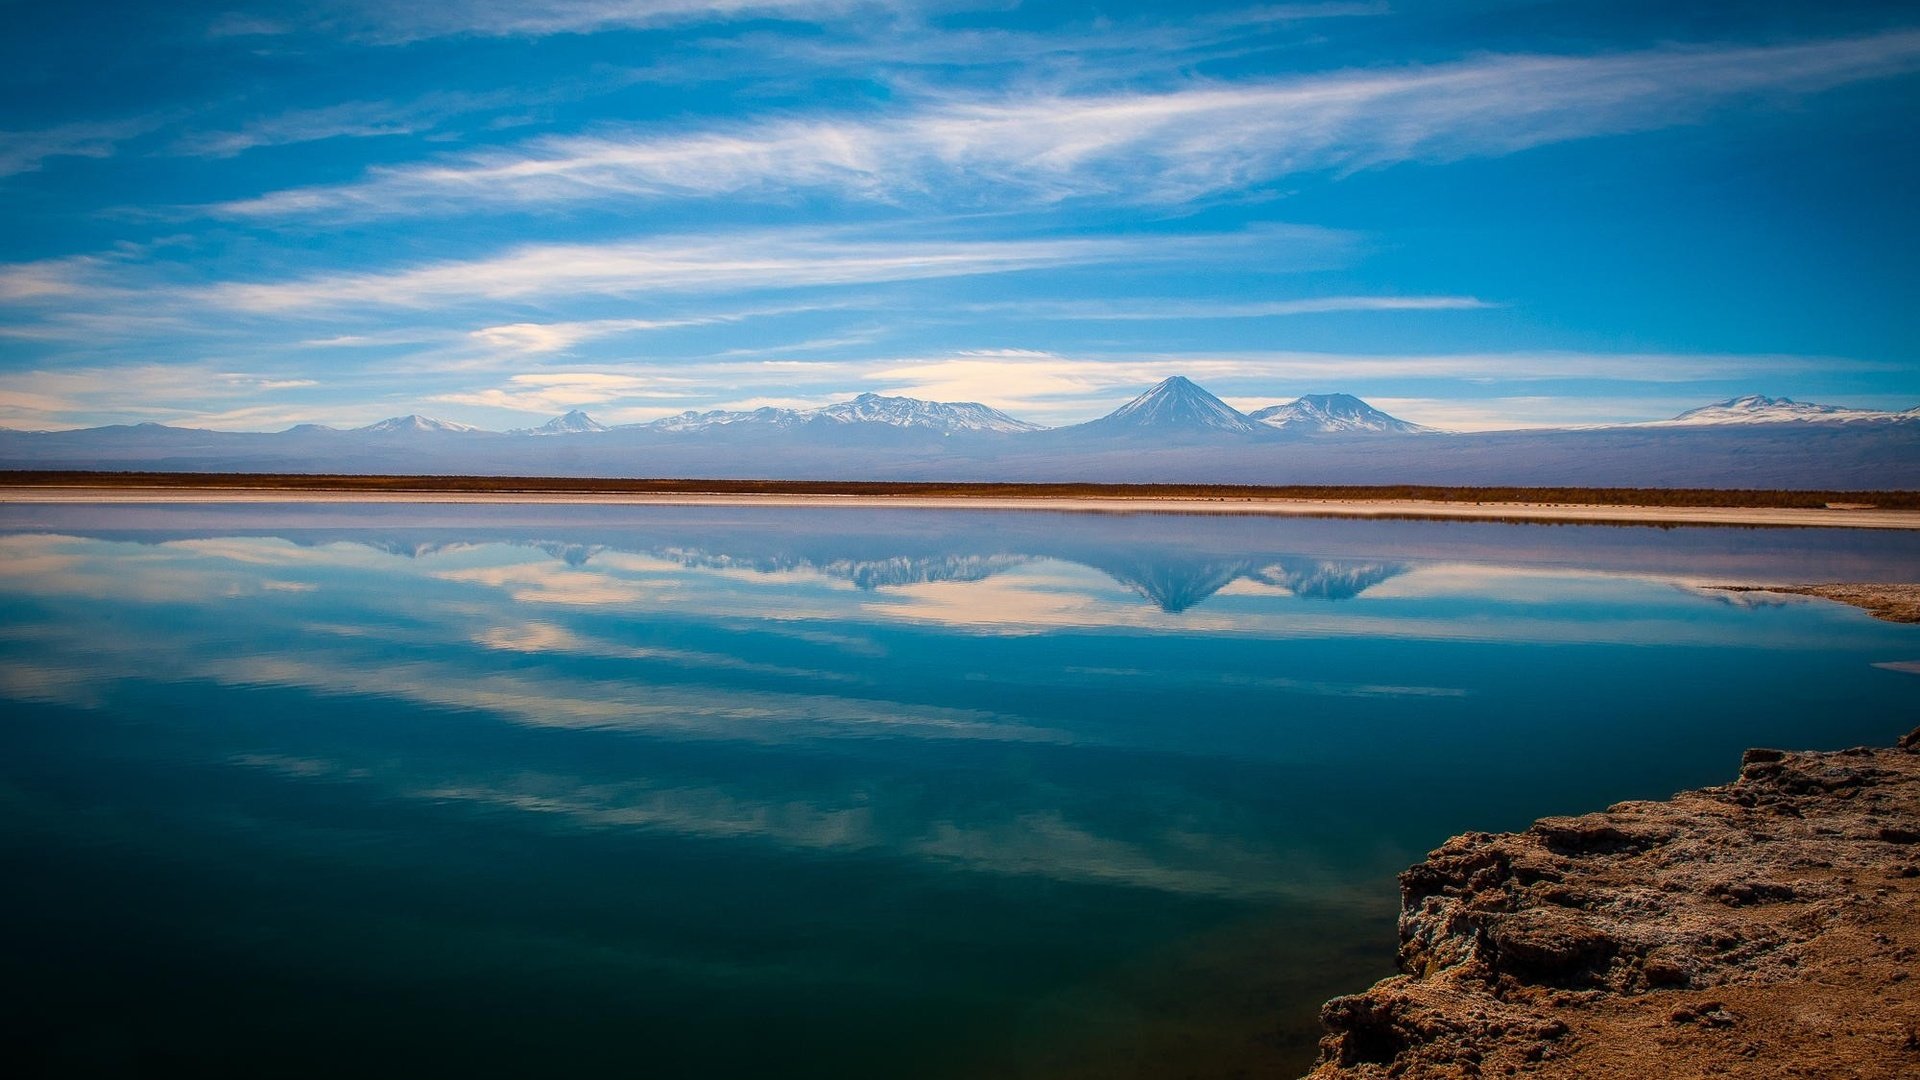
(669, 792)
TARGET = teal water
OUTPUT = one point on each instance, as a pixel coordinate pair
(669, 792)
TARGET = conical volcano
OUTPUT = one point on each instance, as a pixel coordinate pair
(1177, 406)
(574, 423)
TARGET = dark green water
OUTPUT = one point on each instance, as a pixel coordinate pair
(661, 792)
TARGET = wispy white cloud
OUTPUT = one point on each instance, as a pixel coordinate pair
(1107, 52)
(435, 114)
(47, 399)
(1174, 146)
(530, 337)
(558, 391)
(97, 326)
(348, 119)
(388, 23)
(236, 24)
(382, 22)
(553, 337)
(727, 262)
(1152, 309)
(29, 151)
(68, 278)
(533, 18)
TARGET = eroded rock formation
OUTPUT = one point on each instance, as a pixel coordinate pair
(1765, 928)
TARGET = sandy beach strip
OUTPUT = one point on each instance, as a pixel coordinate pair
(1277, 507)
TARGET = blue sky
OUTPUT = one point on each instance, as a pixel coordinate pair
(1475, 213)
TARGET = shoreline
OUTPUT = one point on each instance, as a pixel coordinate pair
(1576, 513)
(1897, 603)
(1762, 928)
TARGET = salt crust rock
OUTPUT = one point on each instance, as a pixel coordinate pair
(1765, 928)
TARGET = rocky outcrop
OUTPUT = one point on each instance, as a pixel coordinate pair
(1766, 928)
(1894, 603)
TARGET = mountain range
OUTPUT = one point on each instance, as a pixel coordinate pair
(573, 423)
(1175, 432)
(1330, 413)
(1756, 409)
(945, 417)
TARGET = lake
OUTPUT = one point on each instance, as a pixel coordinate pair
(849, 793)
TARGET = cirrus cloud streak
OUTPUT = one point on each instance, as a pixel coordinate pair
(726, 262)
(1166, 147)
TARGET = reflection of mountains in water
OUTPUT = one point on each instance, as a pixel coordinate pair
(1172, 580)
(575, 555)
(1327, 579)
(1176, 585)
(863, 573)
(1172, 583)
(406, 549)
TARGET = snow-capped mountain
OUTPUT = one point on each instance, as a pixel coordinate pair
(946, 417)
(1175, 405)
(574, 423)
(1176, 433)
(1174, 585)
(1333, 413)
(865, 573)
(1326, 579)
(766, 417)
(415, 424)
(1758, 409)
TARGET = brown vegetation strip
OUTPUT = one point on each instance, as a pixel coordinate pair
(319, 482)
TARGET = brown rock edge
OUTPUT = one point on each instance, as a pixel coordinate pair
(1765, 928)
(1894, 603)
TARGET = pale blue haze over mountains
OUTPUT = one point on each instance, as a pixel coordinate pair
(1175, 432)
(1472, 214)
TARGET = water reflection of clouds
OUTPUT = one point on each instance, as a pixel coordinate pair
(82, 660)
(186, 571)
(780, 662)
(52, 566)
(45, 682)
(1519, 585)
(541, 637)
(997, 596)
(1623, 611)
(558, 583)
(1189, 852)
(1312, 687)
(381, 639)
(543, 699)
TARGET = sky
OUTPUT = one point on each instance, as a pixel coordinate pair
(1475, 214)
